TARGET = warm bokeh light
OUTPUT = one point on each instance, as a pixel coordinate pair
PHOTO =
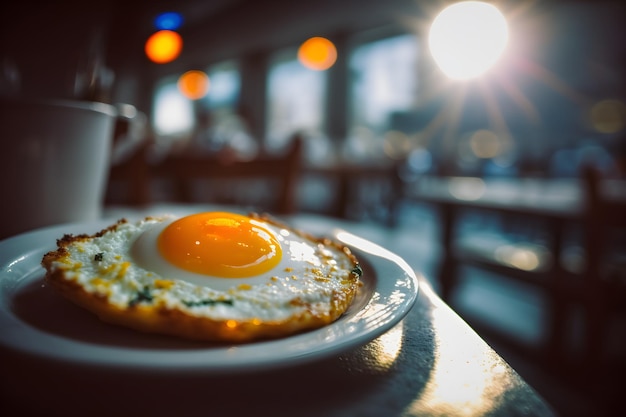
(317, 53)
(468, 189)
(194, 84)
(396, 144)
(164, 46)
(525, 258)
(467, 38)
(485, 144)
(608, 116)
(168, 21)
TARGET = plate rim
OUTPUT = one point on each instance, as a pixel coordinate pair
(23, 247)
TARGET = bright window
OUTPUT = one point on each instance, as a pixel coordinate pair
(174, 114)
(295, 99)
(225, 85)
(384, 80)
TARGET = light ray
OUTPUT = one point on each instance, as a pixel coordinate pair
(454, 112)
(550, 79)
(520, 99)
(496, 118)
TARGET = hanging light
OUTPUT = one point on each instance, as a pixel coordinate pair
(194, 84)
(168, 21)
(317, 53)
(164, 46)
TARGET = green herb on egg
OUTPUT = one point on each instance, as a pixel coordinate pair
(141, 296)
(207, 302)
(357, 271)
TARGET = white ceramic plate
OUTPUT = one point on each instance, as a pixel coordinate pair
(36, 321)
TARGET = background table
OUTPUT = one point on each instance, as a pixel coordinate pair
(554, 219)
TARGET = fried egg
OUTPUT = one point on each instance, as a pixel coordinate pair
(214, 276)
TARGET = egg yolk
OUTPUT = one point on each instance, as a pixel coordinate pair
(220, 244)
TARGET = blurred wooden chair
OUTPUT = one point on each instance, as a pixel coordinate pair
(265, 183)
(603, 289)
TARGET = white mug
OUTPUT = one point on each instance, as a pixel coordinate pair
(54, 161)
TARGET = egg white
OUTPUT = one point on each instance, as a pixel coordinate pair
(124, 266)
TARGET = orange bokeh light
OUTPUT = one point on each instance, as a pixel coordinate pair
(317, 53)
(164, 46)
(194, 84)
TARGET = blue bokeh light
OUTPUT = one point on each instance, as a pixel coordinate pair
(168, 21)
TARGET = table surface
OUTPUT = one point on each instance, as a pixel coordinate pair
(430, 364)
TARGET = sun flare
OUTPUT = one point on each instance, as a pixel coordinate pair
(466, 39)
